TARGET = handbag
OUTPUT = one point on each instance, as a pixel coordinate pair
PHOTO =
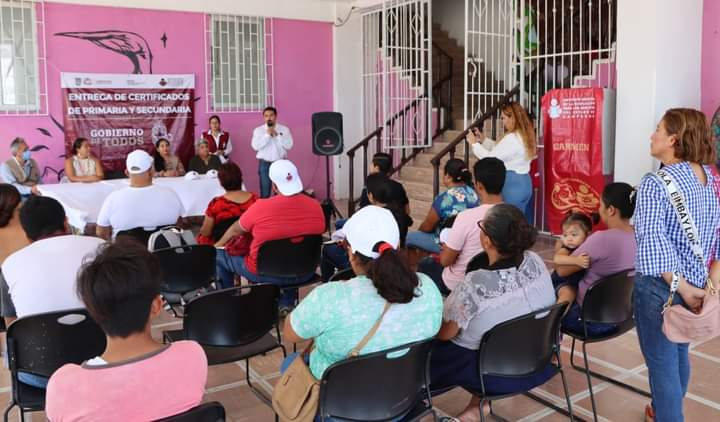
(296, 396)
(681, 325)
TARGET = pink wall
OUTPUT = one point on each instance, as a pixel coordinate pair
(302, 71)
(710, 79)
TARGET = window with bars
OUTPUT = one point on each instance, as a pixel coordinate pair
(19, 70)
(240, 63)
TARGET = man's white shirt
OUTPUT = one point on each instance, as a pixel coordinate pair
(272, 148)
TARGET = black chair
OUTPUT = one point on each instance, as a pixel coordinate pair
(233, 324)
(206, 412)
(185, 269)
(220, 228)
(380, 386)
(521, 347)
(292, 257)
(40, 344)
(137, 234)
(609, 301)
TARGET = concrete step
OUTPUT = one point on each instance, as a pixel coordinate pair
(419, 191)
(419, 209)
(423, 160)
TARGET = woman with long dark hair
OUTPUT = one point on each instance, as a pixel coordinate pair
(166, 163)
(511, 281)
(459, 196)
(338, 315)
(12, 239)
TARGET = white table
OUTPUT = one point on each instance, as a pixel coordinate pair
(82, 201)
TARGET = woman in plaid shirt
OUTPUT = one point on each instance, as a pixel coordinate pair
(683, 143)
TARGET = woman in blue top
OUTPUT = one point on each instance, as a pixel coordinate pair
(459, 196)
(683, 143)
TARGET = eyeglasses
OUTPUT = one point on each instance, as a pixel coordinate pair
(480, 226)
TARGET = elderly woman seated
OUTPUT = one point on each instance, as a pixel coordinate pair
(203, 161)
(512, 281)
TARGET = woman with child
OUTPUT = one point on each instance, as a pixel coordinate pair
(582, 259)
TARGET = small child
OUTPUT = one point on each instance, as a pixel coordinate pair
(576, 228)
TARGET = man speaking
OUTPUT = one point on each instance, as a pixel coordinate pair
(272, 141)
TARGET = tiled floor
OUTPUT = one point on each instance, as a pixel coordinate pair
(619, 358)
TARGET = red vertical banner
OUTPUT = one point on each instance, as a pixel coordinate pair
(572, 130)
(122, 113)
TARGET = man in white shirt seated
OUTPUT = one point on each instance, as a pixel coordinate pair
(272, 141)
(41, 276)
(141, 205)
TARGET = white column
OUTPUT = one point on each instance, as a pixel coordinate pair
(658, 67)
(347, 75)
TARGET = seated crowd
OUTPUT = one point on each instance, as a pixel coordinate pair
(476, 269)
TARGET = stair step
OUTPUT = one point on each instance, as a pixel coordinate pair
(419, 191)
(419, 209)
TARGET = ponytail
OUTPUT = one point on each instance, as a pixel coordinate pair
(458, 171)
(391, 274)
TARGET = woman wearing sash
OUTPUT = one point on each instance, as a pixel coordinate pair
(666, 257)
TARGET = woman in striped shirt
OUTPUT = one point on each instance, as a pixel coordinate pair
(683, 143)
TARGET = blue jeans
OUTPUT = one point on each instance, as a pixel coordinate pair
(227, 266)
(667, 362)
(422, 240)
(265, 183)
(431, 268)
(334, 258)
(33, 380)
(517, 190)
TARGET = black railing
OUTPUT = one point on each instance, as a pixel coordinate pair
(442, 98)
(450, 150)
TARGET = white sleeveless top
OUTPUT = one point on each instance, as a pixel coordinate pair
(84, 166)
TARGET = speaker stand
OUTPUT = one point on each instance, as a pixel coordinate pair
(327, 204)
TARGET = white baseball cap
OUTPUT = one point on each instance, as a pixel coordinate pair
(370, 226)
(285, 176)
(138, 162)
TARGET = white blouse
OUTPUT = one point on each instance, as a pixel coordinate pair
(510, 149)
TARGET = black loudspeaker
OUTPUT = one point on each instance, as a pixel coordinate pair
(327, 132)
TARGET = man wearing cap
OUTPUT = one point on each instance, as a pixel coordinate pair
(272, 141)
(142, 204)
(288, 214)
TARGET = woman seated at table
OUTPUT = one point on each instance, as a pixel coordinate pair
(167, 164)
(203, 161)
(459, 196)
(512, 281)
(226, 209)
(82, 166)
(338, 315)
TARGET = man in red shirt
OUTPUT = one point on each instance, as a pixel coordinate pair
(290, 213)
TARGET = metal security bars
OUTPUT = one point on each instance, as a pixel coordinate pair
(23, 73)
(568, 44)
(397, 47)
(239, 51)
(490, 54)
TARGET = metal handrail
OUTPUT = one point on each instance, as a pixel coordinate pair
(377, 133)
(452, 146)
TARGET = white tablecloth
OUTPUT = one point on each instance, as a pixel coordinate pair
(82, 201)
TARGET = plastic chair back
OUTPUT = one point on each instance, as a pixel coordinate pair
(137, 234)
(232, 317)
(609, 300)
(378, 386)
(42, 343)
(186, 268)
(291, 257)
(206, 412)
(523, 345)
